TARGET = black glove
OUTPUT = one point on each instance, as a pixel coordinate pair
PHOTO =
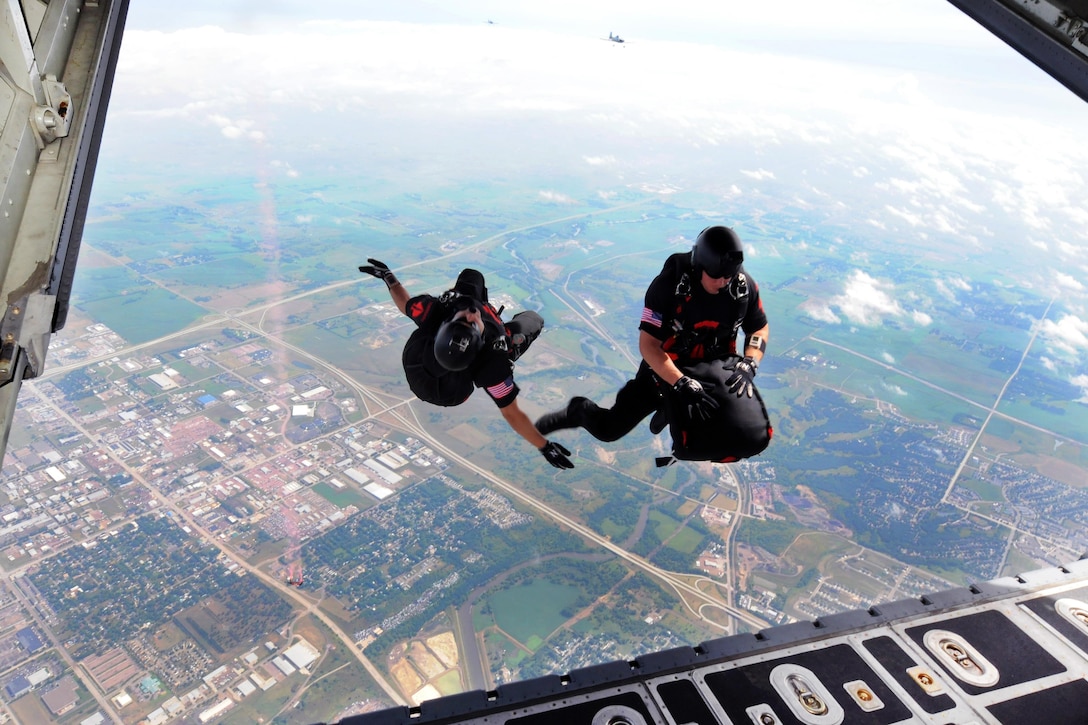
(556, 455)
(740, 382)
(381, 271)
(693, 399)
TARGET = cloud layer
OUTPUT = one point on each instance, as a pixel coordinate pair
(865, 301)
(1027, 163)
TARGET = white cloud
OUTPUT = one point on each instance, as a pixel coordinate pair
(556, 197)
(236, 128)
(897, 390)
(1068, 281)
(949, 155)
(1070, 250)
(819, 311)
(867, 300)
(1069, 334)
(948, 287)
(1081, 381)
(915, 220)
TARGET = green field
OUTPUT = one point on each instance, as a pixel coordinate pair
(986, 491)
(143, 314)
(533, 610)
(343, 497)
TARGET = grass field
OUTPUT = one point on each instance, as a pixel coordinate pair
(532, 610)
(986, 491)
(686, 541)
(449, 683)
(809, 549)
(343, 497)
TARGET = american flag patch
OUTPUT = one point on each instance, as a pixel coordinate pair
(651, 317)
(501, 390)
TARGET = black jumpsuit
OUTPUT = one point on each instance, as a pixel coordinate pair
(692, 325)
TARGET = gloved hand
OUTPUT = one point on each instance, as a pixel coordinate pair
(693, 399)
(556, 455)
(740, 382)
(381, 271)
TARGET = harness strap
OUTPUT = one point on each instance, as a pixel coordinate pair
(704, 342)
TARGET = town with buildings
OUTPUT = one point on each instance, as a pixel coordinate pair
(209, 482)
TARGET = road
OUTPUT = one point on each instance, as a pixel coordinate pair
(88, 681)
(273, 582)
(676, 582)
(991, 412)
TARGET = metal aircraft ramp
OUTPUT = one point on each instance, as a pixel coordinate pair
(1012, 651)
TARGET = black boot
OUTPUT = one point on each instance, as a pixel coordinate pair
(660, 421)
(523, 329)
(568, 417)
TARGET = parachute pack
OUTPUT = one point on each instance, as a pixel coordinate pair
(428, 380)
(740, 427)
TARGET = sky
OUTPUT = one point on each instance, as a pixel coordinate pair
(698, 57)
(916, 82)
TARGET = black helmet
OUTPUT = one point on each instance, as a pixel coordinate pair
(456, 344)
(718, 252)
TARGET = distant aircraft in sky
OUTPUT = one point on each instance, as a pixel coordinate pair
(614, 38)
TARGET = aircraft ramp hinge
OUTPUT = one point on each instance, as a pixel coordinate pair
(23, 341)
(1077, 30)
(53, 120)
